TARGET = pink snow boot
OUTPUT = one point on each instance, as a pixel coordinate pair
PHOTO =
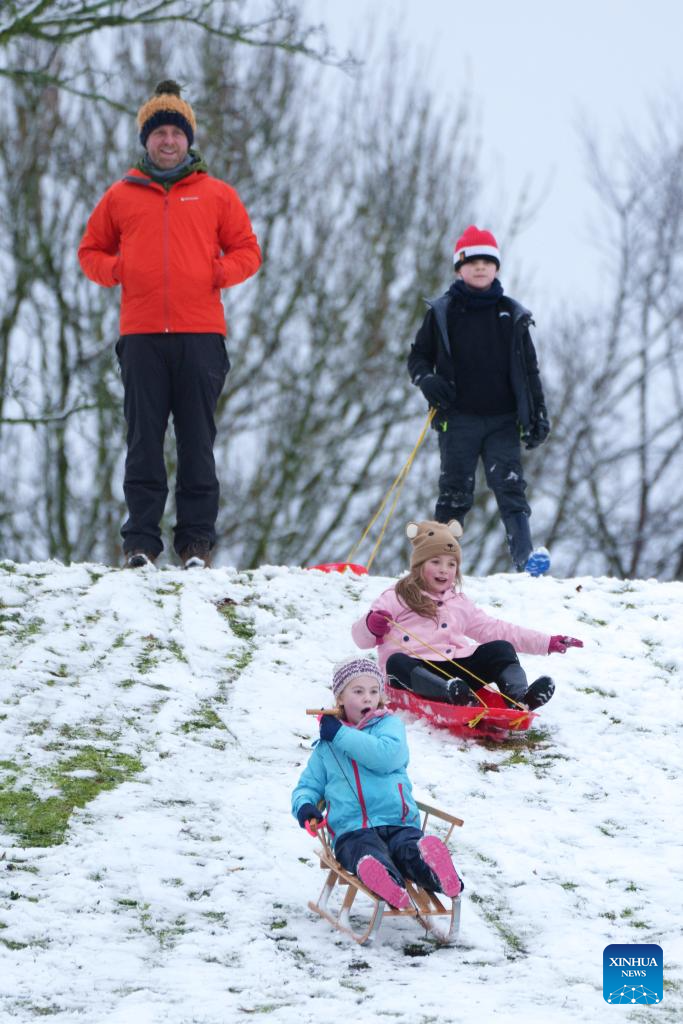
(436, 856)
(375, 876)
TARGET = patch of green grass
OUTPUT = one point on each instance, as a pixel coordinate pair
(610, 828)
(9, 617)
(153, 646)
(206, 718)
(176, 650)
(516, 757)
(241, 628)
(218, 916)
(44, 822)
(169, 589)
(596, 689)
(493, 914)
(147, 659)
(29, 629)
(241, 662)
(355, 986)
(263, 1008)
(8, 566)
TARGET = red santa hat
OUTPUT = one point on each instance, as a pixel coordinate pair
(475, 243)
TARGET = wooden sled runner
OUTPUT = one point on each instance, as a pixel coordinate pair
(493, 719)
(428, 908)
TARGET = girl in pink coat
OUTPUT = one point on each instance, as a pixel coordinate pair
(425, 617)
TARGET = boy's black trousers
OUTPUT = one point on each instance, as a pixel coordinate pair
(180, 375)
(495, 439)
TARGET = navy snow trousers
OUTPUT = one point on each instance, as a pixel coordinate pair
(395, 846)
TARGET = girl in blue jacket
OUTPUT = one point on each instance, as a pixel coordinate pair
(359, 768)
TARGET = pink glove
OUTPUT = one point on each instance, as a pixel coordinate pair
(378, 623)
(559, 644)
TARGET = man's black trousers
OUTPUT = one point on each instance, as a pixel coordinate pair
(180, 375)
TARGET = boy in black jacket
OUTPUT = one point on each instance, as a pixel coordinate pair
(475, 363)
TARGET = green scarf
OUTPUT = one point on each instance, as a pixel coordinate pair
(192, 162)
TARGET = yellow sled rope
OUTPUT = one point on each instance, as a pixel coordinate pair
(397, 486)
(461, 668)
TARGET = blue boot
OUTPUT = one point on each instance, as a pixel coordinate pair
(538, 562)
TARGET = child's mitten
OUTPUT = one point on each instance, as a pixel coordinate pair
(559, 644)
(378, 623)
(329, 727)
(306, 812)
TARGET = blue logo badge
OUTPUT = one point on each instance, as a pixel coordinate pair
(633, 974)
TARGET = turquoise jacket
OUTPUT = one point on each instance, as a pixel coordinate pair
(361, 774)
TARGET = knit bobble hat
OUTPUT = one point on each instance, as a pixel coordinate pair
(346, 671)
(431, 539)
(166, 107)
(475, 244)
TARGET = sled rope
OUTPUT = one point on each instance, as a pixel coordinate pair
(397, 486)
(461, 668)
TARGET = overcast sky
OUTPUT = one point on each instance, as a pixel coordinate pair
(537, 70)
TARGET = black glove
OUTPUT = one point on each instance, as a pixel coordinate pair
(539, 430)
(306, 812)
(439, 392)
(329, 727)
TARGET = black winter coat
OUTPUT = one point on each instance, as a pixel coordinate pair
(432, 353)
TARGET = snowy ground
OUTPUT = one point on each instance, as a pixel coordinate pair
(179, 894)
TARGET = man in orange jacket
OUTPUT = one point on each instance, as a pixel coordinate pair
(171, 236)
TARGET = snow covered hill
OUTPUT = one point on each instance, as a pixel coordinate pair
(151, 729)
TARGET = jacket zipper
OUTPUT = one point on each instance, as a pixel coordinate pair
(166, 262)
(404, 805)
(361, 798)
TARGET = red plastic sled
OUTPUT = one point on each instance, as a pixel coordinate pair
(494, 721)
(359, 570)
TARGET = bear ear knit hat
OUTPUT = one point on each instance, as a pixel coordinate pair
(166, 107)
(430, 539)
(346, 671)
(475, 243)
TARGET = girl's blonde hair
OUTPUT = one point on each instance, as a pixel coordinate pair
(410, 590)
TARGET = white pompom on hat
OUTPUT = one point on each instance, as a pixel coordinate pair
(346, 671)
(475, 243)
(431, 539)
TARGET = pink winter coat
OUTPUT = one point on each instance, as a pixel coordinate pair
(461, 628)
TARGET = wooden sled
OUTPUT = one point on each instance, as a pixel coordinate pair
(428, 908)
(493, 720)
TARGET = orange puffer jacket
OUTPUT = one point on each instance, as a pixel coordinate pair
(171, 251)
